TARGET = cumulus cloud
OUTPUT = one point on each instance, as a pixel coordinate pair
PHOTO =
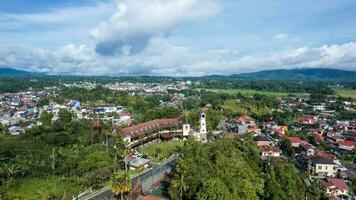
(135, 22)
(162, 58)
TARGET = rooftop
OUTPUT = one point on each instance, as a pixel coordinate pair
(334, 183)
(322, 160)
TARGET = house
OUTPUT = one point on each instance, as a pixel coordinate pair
(321, 166)
(15, 130)
(295, 141)
(245, 120)
(335, 187)
(336, 138)
(269, 124)
(347, 145)
(279, 130)
(267, 151)
(319, 107)
(262, 141)
(307, 148)
(125, 117)
(254, 130)
(307, 120)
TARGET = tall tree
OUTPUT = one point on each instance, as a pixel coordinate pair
(120, 183)
(65, 116)
(46, 118)
(2, 129)
(214, 189)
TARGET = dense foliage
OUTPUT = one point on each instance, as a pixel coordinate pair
(276, 86)
(230, 169)
(66, 152)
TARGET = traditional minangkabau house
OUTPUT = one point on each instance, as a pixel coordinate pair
(136, 134)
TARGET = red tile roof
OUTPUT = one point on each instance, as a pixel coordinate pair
(348, 143)
(243, 119)
(294, 139)
(334, 182)
(319, 153)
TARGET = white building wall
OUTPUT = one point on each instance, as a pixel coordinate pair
(328, 170)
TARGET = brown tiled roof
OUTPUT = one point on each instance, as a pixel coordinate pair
(294, 139)
(333, 182)
(136, 130)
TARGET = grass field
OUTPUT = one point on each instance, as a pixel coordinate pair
(252, 92)
(160, 151)
(345, 92)
(36, 188)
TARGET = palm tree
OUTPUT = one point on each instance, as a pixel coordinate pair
(120, 183)
(178, 184)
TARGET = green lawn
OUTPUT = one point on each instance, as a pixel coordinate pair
(345, 92)
(160, 151)
(36, 188)
(252, 92)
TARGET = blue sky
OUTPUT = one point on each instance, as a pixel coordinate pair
(176, 37)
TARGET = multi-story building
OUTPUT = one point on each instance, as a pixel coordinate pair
(321, 166)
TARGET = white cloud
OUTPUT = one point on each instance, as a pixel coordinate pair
(162, 58)
(135, 22)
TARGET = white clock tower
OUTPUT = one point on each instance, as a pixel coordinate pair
(203, 136)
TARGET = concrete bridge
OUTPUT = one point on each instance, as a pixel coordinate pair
(148, 178)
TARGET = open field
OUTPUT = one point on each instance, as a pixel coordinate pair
(345, 92)
(252, 92)
(37, 188)
(160, 151)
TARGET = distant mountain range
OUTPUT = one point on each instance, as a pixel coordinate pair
(313, 74)
(10, 72)
(316, 74)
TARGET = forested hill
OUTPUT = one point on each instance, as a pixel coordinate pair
(13, 72)
(300, 74)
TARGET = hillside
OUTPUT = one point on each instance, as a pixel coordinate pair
(300, 74)
(13, 72)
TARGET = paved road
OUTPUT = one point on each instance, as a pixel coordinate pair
(148, 178)
(103, 194)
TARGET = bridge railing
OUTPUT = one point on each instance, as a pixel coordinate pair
(148, 178)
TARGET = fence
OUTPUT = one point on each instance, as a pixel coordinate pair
(148, 178)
